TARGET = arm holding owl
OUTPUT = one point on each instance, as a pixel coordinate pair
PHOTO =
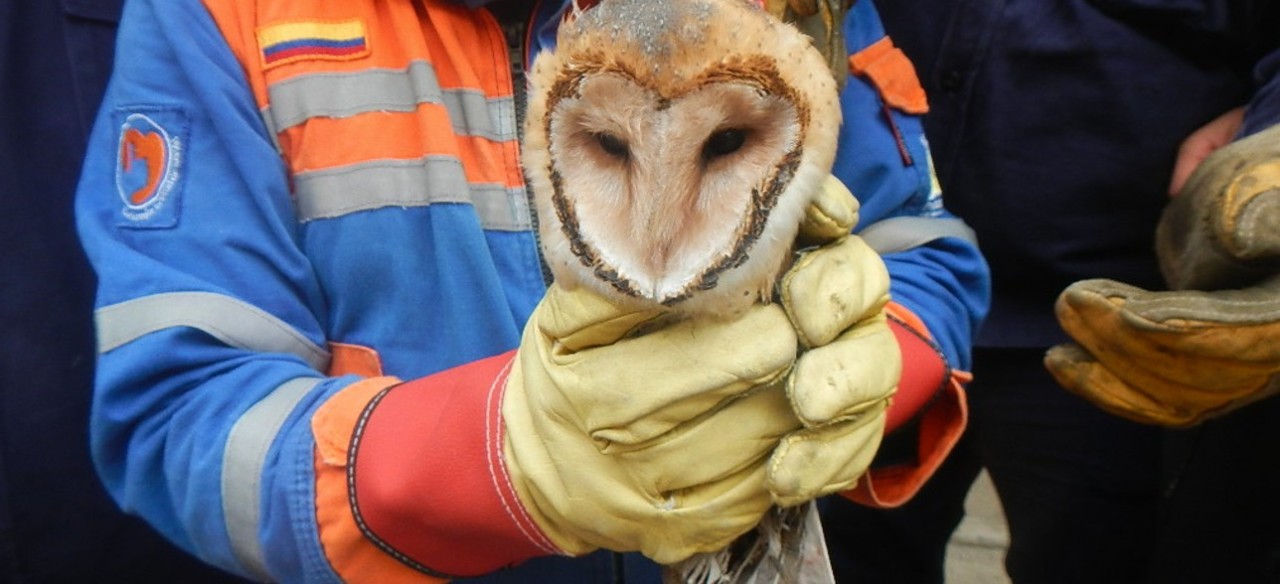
(709, 423)
(603, 421)
(615, 405)
(290, 388)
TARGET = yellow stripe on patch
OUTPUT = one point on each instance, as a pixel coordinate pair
(291, 31)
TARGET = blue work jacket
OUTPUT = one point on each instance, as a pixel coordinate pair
(226, 290)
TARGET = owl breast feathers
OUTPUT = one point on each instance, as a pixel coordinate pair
(672, 147)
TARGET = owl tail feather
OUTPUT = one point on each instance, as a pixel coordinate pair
(787, 547)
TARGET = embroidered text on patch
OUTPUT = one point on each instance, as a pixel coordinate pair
(148, 166)
(312, 40)
(933, 206)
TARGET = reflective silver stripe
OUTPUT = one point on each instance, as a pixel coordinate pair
(242, 462)
(408, 183)
(903, 233)
(340, 95)
(234, 322)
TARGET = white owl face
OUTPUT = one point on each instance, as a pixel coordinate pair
(670, 165)
(666, 192)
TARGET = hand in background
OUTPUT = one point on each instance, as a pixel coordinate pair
(1212, 344)
(1203, 142)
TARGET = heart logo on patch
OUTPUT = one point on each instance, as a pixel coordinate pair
(145, 150)
(146, 168)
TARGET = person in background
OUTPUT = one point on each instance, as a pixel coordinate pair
(57, 523)
(1059, 129)
(1203, 355)
(316, 263)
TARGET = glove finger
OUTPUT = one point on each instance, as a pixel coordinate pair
(814, 462)
(639, 388)
(1249, 218)
(1078, 372)
(1127, 327)
(1257, 305)
(847, 376)
(830, 216)
(1223, 228)
(703, 519)
(831, 288)
(1138, 394)
(712, 447)
(666, 528)
(585, 499)
(1187, 319)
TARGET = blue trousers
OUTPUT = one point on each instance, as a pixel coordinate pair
(1221, 516)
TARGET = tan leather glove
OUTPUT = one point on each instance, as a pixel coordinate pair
(1210, 346)
(635, 431)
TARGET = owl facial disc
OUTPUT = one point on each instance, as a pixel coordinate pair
(672, 147)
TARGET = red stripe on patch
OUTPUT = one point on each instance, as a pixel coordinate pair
(320, 52)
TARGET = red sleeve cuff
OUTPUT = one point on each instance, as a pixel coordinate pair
(924, 369)
(427, 477)
(930, 401)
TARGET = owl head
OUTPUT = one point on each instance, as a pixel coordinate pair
(672, 147)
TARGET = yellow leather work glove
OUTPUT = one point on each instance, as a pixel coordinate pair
(635, 431)
(850, 362)
(1212, 344)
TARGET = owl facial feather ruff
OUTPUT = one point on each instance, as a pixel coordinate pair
(672, 147)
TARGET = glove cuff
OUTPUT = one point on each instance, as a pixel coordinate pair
(427, 479)
(929, 410)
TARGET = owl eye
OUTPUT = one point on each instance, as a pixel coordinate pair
(612, 145)
(723, 143)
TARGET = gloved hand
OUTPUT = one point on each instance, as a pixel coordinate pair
(850, 363)
(1213, 344)
(610, 427)
(617, 427)
(631, 431)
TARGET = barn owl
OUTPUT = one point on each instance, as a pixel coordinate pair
(672, 147)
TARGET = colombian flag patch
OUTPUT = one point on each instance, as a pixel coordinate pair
(312, 40)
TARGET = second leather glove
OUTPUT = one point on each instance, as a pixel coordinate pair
(1212, 344)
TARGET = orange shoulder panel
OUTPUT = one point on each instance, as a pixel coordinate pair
(892, 74)
(279, 41)
(393, 34)
(238, 20)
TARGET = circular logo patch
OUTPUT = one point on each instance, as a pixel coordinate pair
(147, 167)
